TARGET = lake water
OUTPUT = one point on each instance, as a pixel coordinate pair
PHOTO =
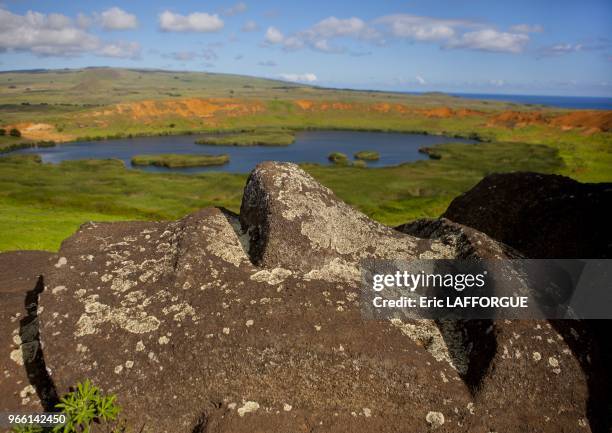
(309, 146)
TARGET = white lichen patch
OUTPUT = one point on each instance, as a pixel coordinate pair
(180, 311)
(249, 406)
(327, 222)
(471, 408)
(163, 340)
(367, 412)
(336, 270)
(140, 346)
(132, 319)
(427, 334)
(17, 356)
(435, 419)
(58, 289)
(536, 356)
(273, 277)
(27, 391)
(61, 262)
(222, 241)
(249, 323)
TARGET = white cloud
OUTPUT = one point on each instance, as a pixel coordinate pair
(268, 63)
(334, 27)
(124, 50)
(83, 21)
(451, 33)
(118, 19)
(274, 36)
(194, 22)
(319, 36)
(497, 83)
(307, 77)
(422, 28)
(238, 8)
(490, 40)
(420, 80)
(250, 26)
(447, 33)
(601, 44)
(527, 28)
(56, 35)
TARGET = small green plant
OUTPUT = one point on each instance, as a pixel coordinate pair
(83, 407)
(15, 132)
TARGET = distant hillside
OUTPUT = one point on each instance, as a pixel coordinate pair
(101, 86)
(105, 86)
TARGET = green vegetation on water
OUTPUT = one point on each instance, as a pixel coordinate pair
(338, 158)
(174, 160)
(250, 138)
(367, 155)
(42, 204)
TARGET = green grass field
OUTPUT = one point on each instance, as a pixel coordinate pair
(41, 204)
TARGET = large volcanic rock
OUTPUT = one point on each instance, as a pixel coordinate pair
(516, 351)
(252, 323)
(541, 215)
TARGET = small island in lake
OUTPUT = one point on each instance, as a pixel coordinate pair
(173, 160)
(250, 138)
(338, 158)
(367, 155)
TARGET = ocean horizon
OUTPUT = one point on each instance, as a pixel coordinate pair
(577, 102)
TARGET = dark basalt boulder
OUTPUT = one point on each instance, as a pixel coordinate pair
(541, 215)
(547, 216)
(252, 323)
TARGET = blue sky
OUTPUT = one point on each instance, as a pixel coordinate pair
(527, 47)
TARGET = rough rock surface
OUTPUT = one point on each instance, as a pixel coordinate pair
(251, 323)
(506, 346)
(19, 281)
(541, 215)
(544, 216)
